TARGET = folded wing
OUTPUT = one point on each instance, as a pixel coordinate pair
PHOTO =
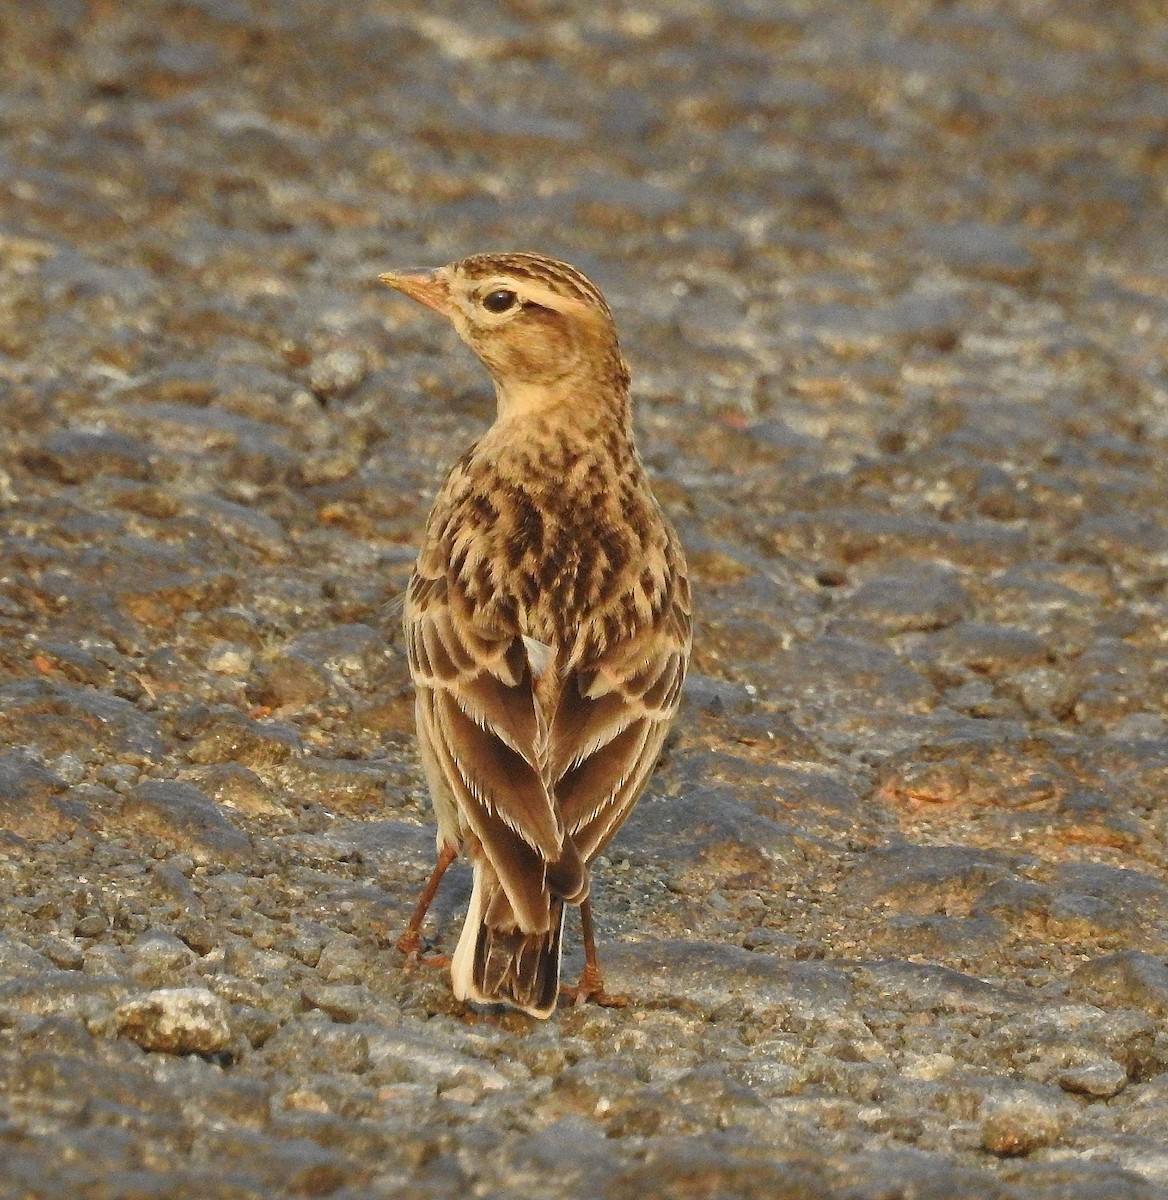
(483, 728)
(612, 718)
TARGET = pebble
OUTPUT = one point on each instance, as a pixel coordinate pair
(337, 373)
(158, 956)
(183, 1020)
(1128, 977)
(185, 818)
(1020, 1123)
(1101, 1080)
(27, 797)
(916, 600)
(227, 659)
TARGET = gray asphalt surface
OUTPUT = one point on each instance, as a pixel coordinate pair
(893, 282)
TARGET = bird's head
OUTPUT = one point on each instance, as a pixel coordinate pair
(540, 327)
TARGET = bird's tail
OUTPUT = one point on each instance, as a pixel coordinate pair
(495, 962)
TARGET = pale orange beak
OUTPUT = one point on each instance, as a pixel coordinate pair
(427, 287)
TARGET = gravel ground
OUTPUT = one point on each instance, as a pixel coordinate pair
(893, 281)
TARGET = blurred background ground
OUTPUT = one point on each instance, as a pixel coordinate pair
(893, 282)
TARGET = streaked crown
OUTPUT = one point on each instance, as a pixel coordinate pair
(559, 277)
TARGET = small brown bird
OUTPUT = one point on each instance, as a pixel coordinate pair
(547, 624)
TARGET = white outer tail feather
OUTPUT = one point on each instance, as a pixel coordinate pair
(462, 964)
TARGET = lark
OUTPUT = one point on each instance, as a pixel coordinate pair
(547, 625)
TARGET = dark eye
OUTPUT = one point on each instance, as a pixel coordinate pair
(500, 300)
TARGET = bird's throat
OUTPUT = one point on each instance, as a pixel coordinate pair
(573, 400)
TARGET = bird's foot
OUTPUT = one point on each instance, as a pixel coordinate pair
(410, 944)
(591, 988)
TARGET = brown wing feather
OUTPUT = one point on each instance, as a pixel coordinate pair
(500, 781)
(602, 790)
(520, 867)
(611, 722)
(487, 733)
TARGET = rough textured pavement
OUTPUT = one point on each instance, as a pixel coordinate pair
(893, 281)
